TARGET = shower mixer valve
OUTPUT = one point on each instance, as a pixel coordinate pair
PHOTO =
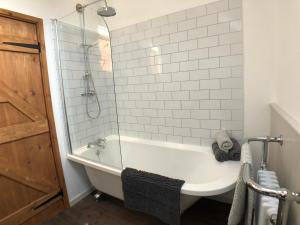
(88, 94)
(101, 142)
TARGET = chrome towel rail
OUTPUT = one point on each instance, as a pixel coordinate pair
(266, 140)
(284, 195)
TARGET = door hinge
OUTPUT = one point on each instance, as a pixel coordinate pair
(24, 45)
(59, 194)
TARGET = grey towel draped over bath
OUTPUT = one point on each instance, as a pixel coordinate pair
(153, 194)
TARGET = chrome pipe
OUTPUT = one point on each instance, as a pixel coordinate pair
(282, 213)
(284, 195)
(281, 193)
(266, 140)
(80, 7)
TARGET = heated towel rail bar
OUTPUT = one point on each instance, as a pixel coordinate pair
(284, 195)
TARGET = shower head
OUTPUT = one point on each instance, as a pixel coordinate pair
(106, 11)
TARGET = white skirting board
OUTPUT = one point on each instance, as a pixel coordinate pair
(285, 159)
(81, 196)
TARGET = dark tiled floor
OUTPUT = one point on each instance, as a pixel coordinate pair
(110, 211)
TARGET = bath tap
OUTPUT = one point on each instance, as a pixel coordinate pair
(101, 142)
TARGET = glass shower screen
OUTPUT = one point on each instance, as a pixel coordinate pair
(87, 80)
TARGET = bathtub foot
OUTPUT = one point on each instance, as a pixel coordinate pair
(98, 196)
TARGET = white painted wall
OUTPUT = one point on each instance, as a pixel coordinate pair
(287, 53)
(136, 11)
(271, 61)
(259, 68)
(45, 9)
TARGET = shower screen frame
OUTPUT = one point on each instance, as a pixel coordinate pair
(57, 39)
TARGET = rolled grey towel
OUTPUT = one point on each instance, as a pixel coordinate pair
(220, 155)
(235, 153)
(224, 141)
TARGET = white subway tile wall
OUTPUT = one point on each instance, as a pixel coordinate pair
(83, 129)
(179, 77)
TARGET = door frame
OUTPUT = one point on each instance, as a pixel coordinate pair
(47, 94)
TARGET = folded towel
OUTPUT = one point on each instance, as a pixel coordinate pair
(153, 194)
(238, 207)
(243, 200)
(235, 152)
(224, 141)
(220, 155)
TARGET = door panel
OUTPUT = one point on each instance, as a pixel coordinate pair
(29, 166)
(18, 31)
(21, 73)
(32, 159)
(10, 115)
(10, 202)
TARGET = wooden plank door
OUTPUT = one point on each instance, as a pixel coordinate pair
(31, 177)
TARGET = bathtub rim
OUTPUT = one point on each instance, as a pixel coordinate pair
(215, 187)
(206, 189)
(164, 144)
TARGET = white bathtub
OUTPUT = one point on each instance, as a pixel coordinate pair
(203, 175)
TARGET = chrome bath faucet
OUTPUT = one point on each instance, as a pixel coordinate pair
(101, 142)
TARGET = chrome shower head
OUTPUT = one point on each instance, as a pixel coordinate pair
(106, 11)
